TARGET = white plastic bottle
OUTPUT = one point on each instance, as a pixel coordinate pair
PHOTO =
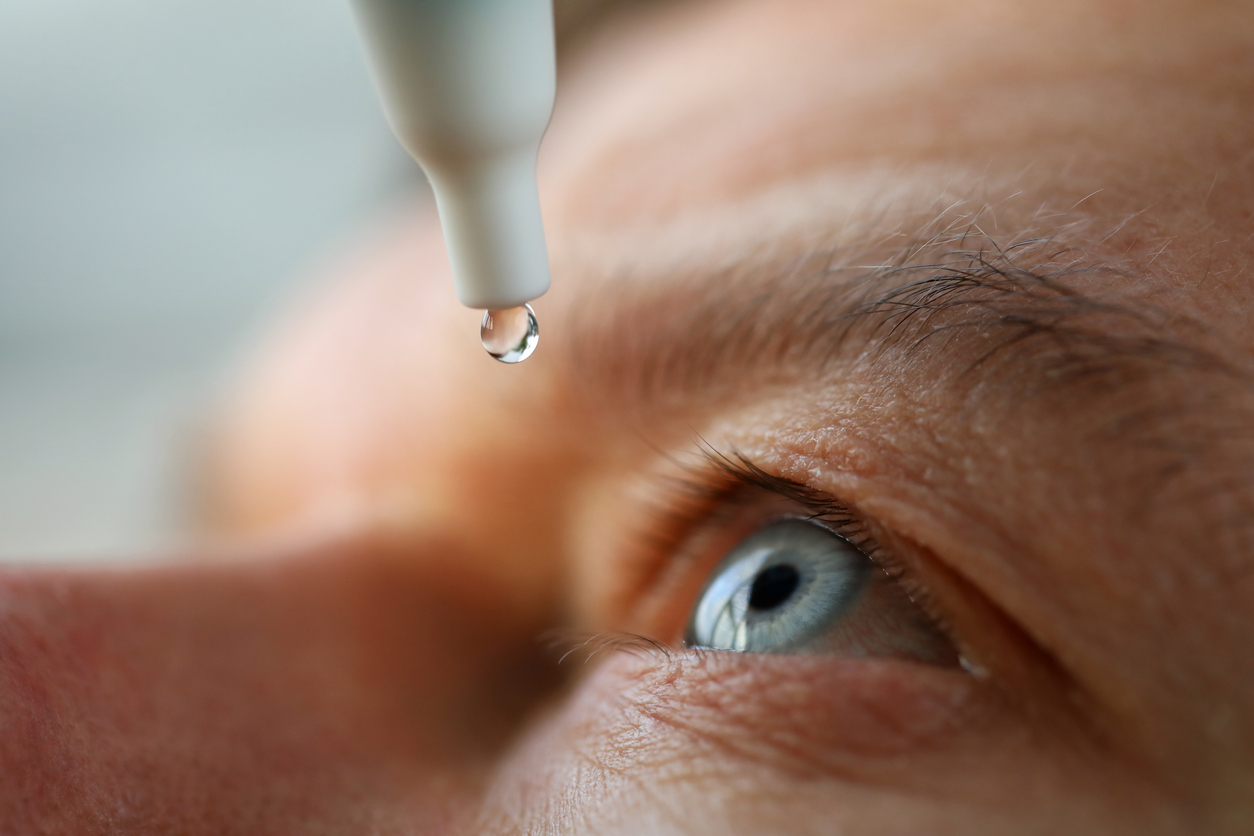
(468, 87)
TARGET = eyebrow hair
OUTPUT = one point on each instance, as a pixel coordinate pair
(1080, 336)
(1003, 325)
(825, 311)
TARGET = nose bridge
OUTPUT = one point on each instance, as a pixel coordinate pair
(318, 686)
(379, 406)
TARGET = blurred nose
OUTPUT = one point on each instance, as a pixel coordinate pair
(353, 686)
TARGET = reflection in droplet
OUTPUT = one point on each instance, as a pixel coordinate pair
(511, 335)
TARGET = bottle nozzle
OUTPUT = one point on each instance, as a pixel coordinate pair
(468, 87)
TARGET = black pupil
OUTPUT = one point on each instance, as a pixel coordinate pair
(773, 586)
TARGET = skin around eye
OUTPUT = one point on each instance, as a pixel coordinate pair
(794, 586)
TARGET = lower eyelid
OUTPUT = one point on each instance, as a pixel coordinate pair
(810, 713)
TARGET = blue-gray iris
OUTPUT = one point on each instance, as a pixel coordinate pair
(779, 589)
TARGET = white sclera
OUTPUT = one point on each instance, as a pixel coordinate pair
(510, 335)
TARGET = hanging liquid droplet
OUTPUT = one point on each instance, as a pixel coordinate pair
(510, 335)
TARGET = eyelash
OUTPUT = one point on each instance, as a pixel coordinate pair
(711, 486)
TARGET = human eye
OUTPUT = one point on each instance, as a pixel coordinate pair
(795, 586)
(767, 565)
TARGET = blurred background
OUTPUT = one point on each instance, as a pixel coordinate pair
(169, 170)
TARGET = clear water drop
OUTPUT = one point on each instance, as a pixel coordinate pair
(511, 335)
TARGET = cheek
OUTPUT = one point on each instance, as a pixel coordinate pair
(713, 741)
(725, 743)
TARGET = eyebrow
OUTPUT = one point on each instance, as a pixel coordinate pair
(1001, 325)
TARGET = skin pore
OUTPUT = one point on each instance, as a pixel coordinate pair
(965, 282)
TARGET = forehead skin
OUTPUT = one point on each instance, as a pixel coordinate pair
(731, 142)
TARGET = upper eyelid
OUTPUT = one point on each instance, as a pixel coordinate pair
(736, 472)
